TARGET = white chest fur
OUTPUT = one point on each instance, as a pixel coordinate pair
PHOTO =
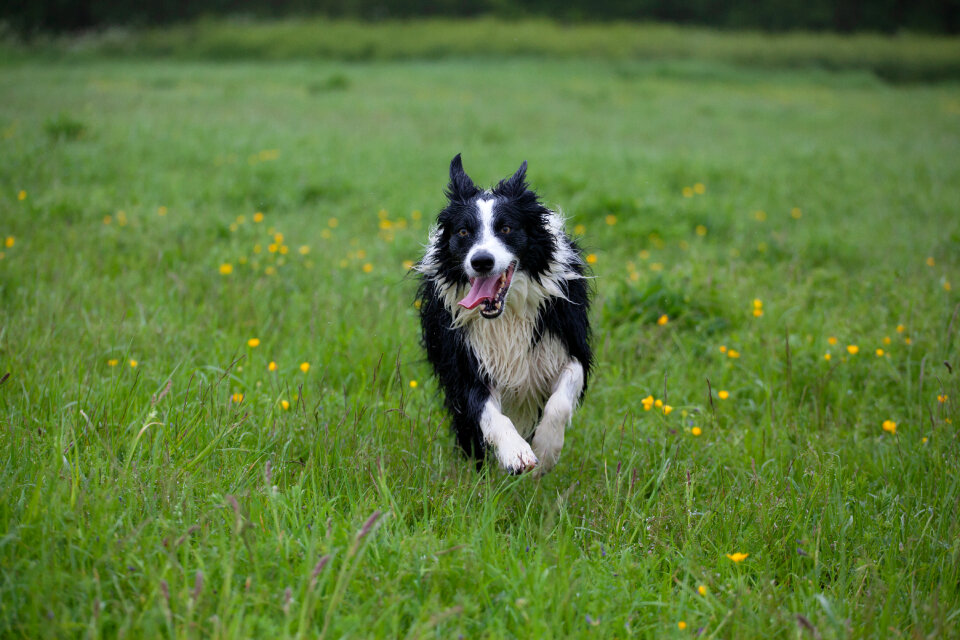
(523, 374)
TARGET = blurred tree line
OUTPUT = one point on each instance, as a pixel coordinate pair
(888, 16)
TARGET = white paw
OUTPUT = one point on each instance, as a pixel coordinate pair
(547, 449)
(515, 455)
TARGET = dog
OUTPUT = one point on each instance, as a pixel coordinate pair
(504, 303)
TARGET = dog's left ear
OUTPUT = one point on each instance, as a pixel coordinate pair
(515, 185)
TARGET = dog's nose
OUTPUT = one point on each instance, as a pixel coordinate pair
(482, 262)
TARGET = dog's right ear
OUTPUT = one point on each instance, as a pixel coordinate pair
(461, 187)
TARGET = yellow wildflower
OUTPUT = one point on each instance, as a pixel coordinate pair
(699, 188)
(647, 403)
(413, 384)
(733, 354)
(682, 625)
(901, 328)
(701, 230)
(333, 222)
(107, 219)
(795, 213)
(272, 366)
(658, 403)
(723, 348)
(696, 431)
(738, 556)
(757, 313)
(760, 215)
(258, 217)
(304, 250)
(284, 249)
(408, 264)
(9, 242)
(133, 363)
(832, 340)
(667, 409)
(880, 352)
(662, 320)
(237, 397)
(908, 340)
(270, 270)
(656, 266)
(687, 192)
(723, 395)
(924, 440)
(891, 426)
(367, 268)
(579, 229)
(853, 349)
(273, 247)
(304, 366)
(21, 195)
(946, 285)
(285, 404)
(942, 398)
(112, 362)
(278, 238)
(415, 214)
(226, 269)
(886, 340)
(161, 211)
(591, 258)
(827, 357)
(702, 589)
(931, 261)
(610, 219)
(253, 342)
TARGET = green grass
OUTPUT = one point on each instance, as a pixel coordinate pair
(138, 501)
(901, 58)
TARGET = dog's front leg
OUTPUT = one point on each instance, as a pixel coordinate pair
(548, 439)
(513, 452)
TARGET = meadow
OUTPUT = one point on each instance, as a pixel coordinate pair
(217, 421)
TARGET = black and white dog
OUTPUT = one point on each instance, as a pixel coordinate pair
(503, 308)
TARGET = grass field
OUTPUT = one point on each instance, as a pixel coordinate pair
(773, 251)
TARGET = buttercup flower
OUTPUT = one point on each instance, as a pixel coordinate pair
(832, 340)
(237, 398)
(890, 426)
(226, 269)
(853, 349)
(733, 354)
(112, 362)
(723, 395)
(285, 404)
(699, 188)
(258, 217)
(662, 320)
(738, 556)
(667, 409)
(253, 342)
(413, 384)
(796, 213)
(682, 625)
(702, 589)
(591, 258)
(133, 363)
(696, 431)
(272, 366)
(611, 219)
(304, 366)
(647, 403)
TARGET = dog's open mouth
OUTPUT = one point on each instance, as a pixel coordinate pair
(491, 292)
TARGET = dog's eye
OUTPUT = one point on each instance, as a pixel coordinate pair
(463, 233)
(504, 229)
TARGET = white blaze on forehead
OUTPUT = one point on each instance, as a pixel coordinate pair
(488, 241)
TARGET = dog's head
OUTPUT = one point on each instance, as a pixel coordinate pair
(490, 238)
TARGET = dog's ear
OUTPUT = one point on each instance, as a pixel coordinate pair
(461, 187)
(515, 185)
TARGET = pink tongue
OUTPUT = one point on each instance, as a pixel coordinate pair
(481, 289)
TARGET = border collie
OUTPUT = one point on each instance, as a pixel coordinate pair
(503, 310)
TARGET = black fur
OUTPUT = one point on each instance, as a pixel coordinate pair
(454, 362)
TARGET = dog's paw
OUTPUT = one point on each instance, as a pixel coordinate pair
(516, 456)
(547, 451)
